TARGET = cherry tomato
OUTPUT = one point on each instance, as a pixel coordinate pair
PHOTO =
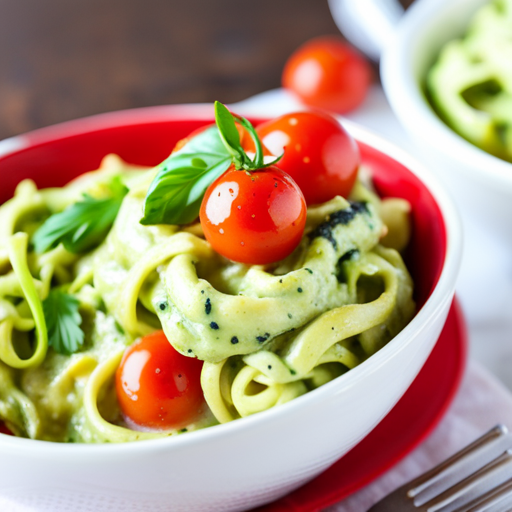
(328, 73)
(4, 429)
(319, 155)
(190, 136)
(253, 217)
(157, 387)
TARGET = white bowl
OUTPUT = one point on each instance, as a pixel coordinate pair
(251, 461)
(480, 183)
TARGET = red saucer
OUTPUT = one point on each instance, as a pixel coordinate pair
(420, 409)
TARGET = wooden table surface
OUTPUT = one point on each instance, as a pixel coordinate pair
(62, 59)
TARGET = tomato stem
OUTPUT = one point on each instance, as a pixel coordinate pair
(225, 121)
(258, 162)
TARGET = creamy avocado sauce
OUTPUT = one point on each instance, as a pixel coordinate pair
(470, 85)
(266, 334)
(56, 387)
(211, 325)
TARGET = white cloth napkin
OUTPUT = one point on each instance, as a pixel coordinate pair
(481, 403)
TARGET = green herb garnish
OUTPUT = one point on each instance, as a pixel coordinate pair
(175, 195)
(227, 128)
(82, 225)
(63, 322)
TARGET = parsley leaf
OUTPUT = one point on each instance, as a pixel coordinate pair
(63, 322)
(175, 195)
(81, 225)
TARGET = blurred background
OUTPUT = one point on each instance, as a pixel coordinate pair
(62, 59)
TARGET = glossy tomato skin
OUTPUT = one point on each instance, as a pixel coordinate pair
(319, 154)
(157, 387)
(254, 217)
(328, 73)
(5, 430)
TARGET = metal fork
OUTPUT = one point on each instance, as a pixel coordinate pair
(476, 479)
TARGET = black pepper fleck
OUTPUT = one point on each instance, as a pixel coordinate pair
(162, 306)
(189, 351)
(261, 339)
(183, 430)
(234, 340)
(293, 372)
(214, 325)
(275, 184)
(208, 306)
(289, 315)
(299, 289)
(308, 270)
(281, 281)
(269, 367)
(202, 291)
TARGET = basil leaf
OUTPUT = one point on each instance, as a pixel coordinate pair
(82, 225)
(229, 134)
(175, 195)
(63, 322)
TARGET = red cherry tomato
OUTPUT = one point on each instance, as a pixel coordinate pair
(190, 136)
(157, 387)
(320, 156)
(328, 73)
(4, 429)
(253, 217)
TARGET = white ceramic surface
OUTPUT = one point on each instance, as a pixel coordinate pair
(250, 461)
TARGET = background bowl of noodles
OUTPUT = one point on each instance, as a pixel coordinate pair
(253, 460)
(479, 181)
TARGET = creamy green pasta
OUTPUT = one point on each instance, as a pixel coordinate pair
(266, 334)
(470, 84)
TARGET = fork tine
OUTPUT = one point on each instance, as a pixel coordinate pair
(498, 499)
(503, 506)
(485, 455)
(460, 466)
(481, 482)
(500, 507)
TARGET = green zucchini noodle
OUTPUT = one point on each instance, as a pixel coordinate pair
(280, 330)
(469, 85)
